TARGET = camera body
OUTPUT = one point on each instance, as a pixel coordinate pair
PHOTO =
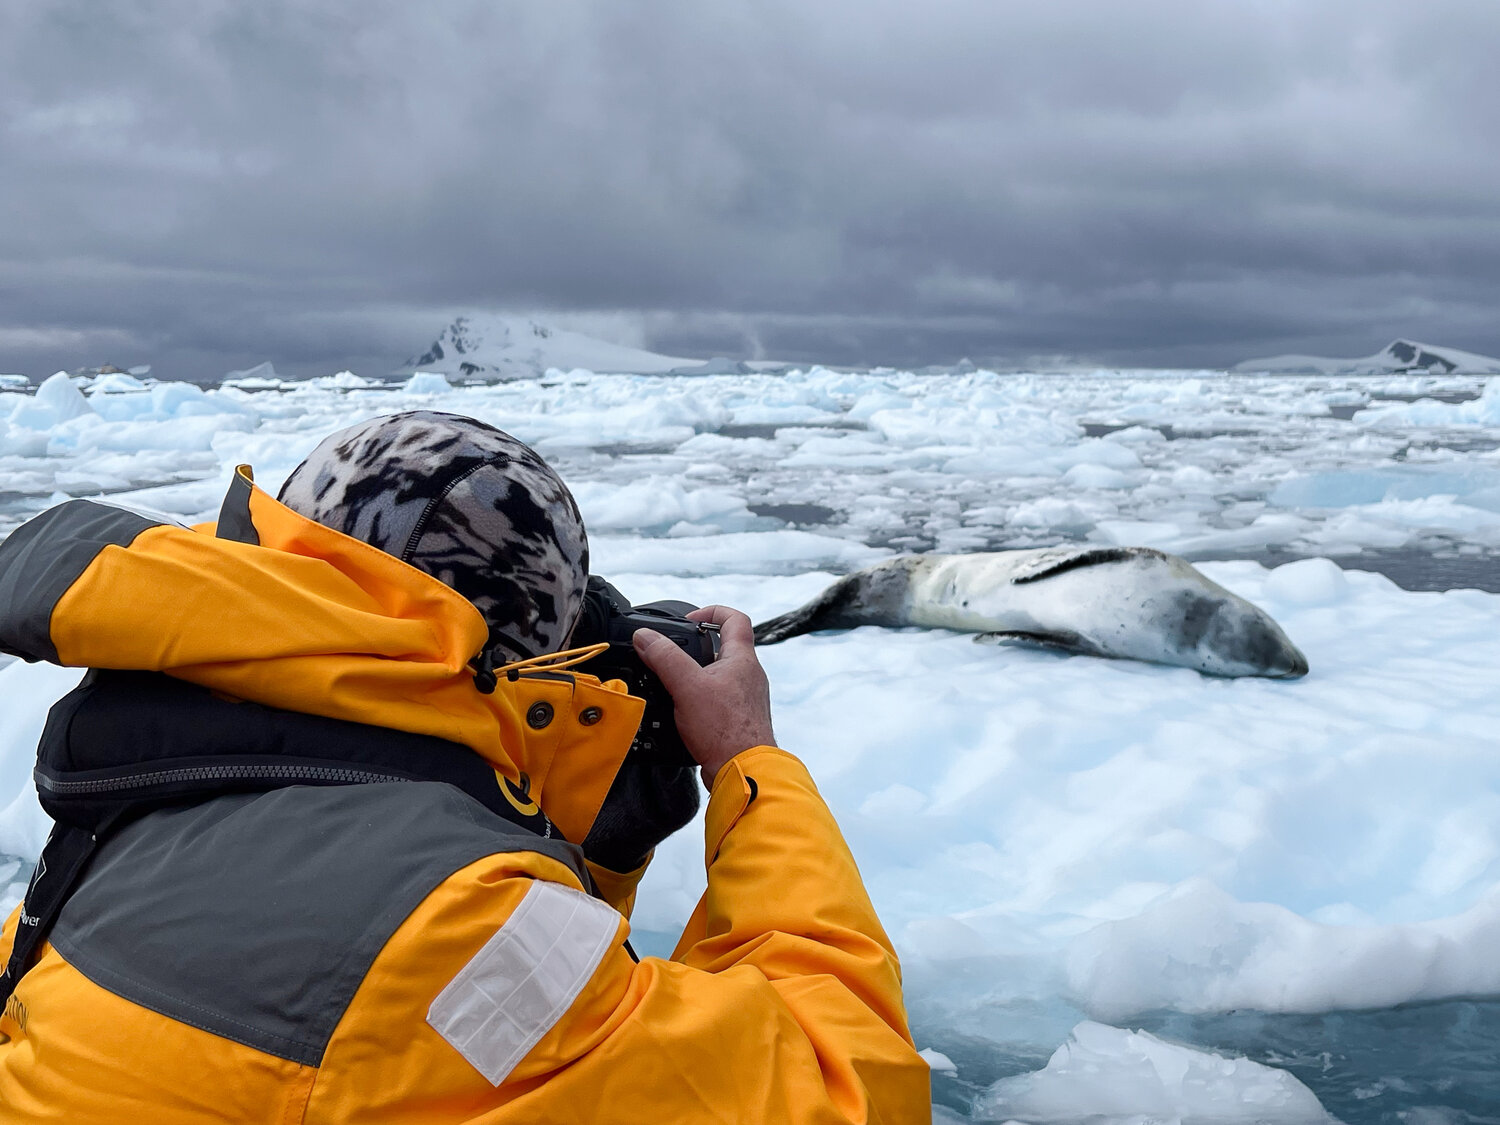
(608, 618)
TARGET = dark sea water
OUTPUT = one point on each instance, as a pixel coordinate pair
(1408, 568)
(1419, 1063)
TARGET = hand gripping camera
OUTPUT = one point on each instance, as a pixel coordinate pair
(608, 618)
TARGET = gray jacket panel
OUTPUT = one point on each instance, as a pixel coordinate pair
(257, 916)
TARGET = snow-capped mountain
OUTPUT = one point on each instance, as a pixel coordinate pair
(515, 347)
(1399, 357)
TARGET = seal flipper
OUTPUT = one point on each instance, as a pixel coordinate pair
(1060, 640)
(782, 628)
(837, 607)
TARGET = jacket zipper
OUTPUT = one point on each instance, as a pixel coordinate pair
(246, 771)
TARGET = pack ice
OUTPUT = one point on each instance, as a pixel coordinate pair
(1120, 892)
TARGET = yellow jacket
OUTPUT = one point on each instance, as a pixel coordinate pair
(501, 993)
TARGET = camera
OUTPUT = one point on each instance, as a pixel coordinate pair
(608, 618)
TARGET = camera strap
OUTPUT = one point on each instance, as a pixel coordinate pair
(63, 859)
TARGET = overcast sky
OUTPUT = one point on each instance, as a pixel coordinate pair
(204, 184)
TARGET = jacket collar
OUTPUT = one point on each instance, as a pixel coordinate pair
(557, 736)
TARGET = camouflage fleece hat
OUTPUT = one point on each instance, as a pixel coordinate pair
(465, 502)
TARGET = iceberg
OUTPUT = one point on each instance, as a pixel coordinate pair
(427, 383)
(1106, 1074)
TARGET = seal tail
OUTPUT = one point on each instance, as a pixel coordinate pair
(826, 611)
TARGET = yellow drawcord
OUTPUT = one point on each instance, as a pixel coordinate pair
(554, 661)
(486, 675)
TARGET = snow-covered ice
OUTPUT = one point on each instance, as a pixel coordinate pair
(1065, 850)
(490, 346)
(1399, 356)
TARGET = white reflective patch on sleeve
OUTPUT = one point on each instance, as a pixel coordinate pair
(518, 986)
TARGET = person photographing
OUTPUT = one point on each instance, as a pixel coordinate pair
(347, 832)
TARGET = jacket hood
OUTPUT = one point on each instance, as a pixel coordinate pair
(270, 606)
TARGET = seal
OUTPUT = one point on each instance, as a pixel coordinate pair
(1131, 603)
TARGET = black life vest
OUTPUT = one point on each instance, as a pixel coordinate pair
(122, 744)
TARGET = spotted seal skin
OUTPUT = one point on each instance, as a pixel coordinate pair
(467, 503)
(1132, 603)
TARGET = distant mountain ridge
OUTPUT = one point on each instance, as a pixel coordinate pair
(513, 347)
(1399, 357)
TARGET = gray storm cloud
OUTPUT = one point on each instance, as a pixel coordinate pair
(204, 185)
